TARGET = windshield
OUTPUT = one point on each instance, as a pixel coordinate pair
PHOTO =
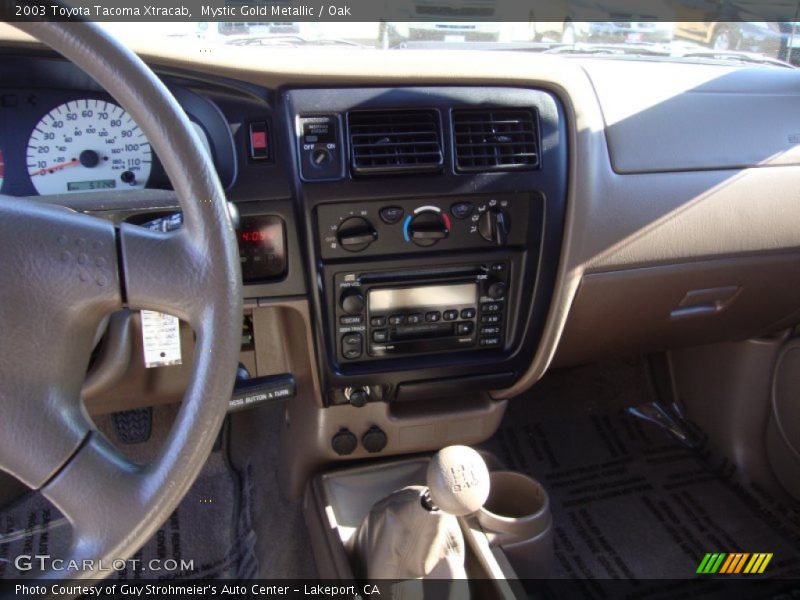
(743, 42)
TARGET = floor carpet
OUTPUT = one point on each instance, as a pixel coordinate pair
(212, 526)
(629, 501)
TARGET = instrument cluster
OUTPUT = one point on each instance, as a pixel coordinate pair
(68, 141)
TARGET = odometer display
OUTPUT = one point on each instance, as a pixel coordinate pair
(87, 145)
(87, 186)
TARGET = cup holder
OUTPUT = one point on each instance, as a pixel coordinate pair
(516, 518)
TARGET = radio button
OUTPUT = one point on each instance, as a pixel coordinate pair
(351, 345)
(450, 315)
(380, 336)
(491, 330)
(490, 341)
(491, 318)
(354, 320)
(491, 307)
(433, 316)
(352, 339)
(413, 319)
(397, 319)
(378, 321)
(468, 313)
(465, 328)
(391, 214)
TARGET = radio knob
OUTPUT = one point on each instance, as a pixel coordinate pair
(355, 234)
(496, 289)
(352, 302)
(427, 228)
(494, 226)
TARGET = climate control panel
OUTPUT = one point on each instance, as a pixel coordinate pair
(377, 228)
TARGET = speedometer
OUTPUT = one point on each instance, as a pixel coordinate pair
(87, 145)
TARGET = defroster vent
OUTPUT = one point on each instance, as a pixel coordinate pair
(394, 141)
(495, 139)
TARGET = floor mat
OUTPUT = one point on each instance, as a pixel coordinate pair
(629, 502)
(211, 531)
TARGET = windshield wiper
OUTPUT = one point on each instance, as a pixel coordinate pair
(734, 56)
(610, 49)
(290, 40)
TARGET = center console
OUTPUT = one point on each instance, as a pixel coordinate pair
(383, 311)
(434, 219)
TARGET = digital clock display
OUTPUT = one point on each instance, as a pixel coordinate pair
(89, 186)
(262, 247)
(256, 236)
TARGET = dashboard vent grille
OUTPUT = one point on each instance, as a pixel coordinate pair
(495, 139)
(397, 141)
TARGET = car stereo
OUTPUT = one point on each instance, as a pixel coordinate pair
(382, 314)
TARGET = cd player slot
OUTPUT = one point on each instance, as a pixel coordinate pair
(441, 273)
(424, 330)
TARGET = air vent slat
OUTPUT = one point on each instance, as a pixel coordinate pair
(495, 139)
(394, 141)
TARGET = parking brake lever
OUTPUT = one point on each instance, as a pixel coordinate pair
(249, 392)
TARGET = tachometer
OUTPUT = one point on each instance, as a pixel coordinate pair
(88, 145)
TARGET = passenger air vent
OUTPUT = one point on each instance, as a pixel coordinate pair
(396, 141)
(495, 139)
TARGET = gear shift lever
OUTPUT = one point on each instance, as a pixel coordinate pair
(414, 532)
(458, 480)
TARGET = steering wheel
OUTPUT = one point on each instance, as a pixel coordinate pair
(62, 272)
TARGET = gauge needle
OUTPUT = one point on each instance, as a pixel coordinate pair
(72, 163)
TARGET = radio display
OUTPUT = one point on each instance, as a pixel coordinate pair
(387, 299)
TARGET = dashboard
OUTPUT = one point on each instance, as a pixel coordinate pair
(450, 229)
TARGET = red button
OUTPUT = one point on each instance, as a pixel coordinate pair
(258, 139)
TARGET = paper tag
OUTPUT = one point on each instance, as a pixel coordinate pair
(162, 340)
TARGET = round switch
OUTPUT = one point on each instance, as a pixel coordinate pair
(320, 157)
(355, 234)
(352, 301)
(427, 227)
(344, 442)
(495, 289)
(494, 226)
(374, 440)
(357, 396)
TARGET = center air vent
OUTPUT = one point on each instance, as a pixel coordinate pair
(394, 141)
(495, 139)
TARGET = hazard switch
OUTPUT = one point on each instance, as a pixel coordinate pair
(259, 140)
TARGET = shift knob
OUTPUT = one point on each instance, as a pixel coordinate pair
(458, 480)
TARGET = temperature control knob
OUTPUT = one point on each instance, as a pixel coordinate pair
(494, 226)
(355, 234)
(428, 227)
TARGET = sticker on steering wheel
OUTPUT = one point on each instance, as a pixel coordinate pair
(161, 338)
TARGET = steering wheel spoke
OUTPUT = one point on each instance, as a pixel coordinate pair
(165, 272)
(88, 491)
(58, 280)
